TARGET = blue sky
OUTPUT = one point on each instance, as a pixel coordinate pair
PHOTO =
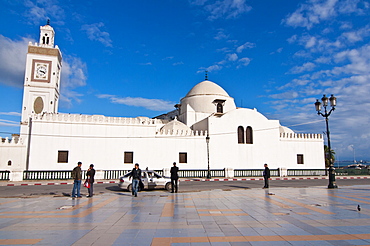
(139, 58)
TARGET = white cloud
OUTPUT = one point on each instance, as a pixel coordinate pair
(292, 39)
(350, 6)
(221, 35)
(178, 63)
(308, 66)
(247, 45)
(311, 13)
(13, 60)
(359, 61)
(11, 113)
(73, 76)
(302, 54)
(8, 123)
(315, 11)
(319, 44)
(224, 50)
(232, 57)
(310, 42)
(151, 104)
(323, 60)
(214, 68)
(243, 62)
(285, 95)
(94, 32)
(146, 64)
(223, 8)
(40, 10)
(357, 35)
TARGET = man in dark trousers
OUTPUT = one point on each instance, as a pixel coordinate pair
(174, 177)
(90, 177)
(136, 177)
(77, 176)
(266, 176)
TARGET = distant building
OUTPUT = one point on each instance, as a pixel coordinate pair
(239, 138)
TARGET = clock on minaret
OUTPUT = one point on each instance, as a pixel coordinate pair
(41, 71)
(42, 77)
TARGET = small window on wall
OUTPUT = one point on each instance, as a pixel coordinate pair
(249, 135)
(129, 157)
(9, 163)
(183, 157)
(63, 156)
(300, 159)
(240, 135)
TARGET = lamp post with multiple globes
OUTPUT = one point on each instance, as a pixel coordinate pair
(326, 114)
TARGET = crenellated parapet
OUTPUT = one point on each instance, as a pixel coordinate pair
(15, 141)
(181, 133)
(95, 119)
(300, 136)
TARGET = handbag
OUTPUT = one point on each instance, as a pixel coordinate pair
(87, 183)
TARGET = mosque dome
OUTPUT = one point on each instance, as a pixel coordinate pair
(204, 97)
(175, 125)
(207, 88)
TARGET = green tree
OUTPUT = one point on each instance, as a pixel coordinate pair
(329, 154)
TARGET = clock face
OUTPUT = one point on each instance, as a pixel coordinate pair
(41, 71)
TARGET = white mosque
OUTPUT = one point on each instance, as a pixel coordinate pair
(206, 128)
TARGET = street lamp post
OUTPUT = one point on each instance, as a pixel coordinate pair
(326, 114)
(209, 171)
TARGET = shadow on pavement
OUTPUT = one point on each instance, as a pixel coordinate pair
(238, 186)
(113, 188)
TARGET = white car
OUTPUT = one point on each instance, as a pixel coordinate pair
(149, 180)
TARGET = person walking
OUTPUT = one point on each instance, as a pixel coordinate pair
(136, 178)
(266, 176)
(90, 179)
(174, 177)
(77, 176)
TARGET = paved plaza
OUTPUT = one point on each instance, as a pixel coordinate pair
(275, 216)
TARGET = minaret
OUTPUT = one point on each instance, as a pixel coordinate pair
(42, 76)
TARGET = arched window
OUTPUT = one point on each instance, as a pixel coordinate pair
(249, 135)
(240, 135)
(220, 108)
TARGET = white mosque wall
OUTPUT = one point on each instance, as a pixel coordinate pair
(13, 151)
(227, 152)
(268, 147)
(103, 140)
(311, 146)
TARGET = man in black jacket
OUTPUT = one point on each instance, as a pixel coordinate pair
(174, 177)
(266, 176)
(136, 177)
(77, 176)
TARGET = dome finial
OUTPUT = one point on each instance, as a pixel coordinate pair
(48, 22)
(206, 75)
